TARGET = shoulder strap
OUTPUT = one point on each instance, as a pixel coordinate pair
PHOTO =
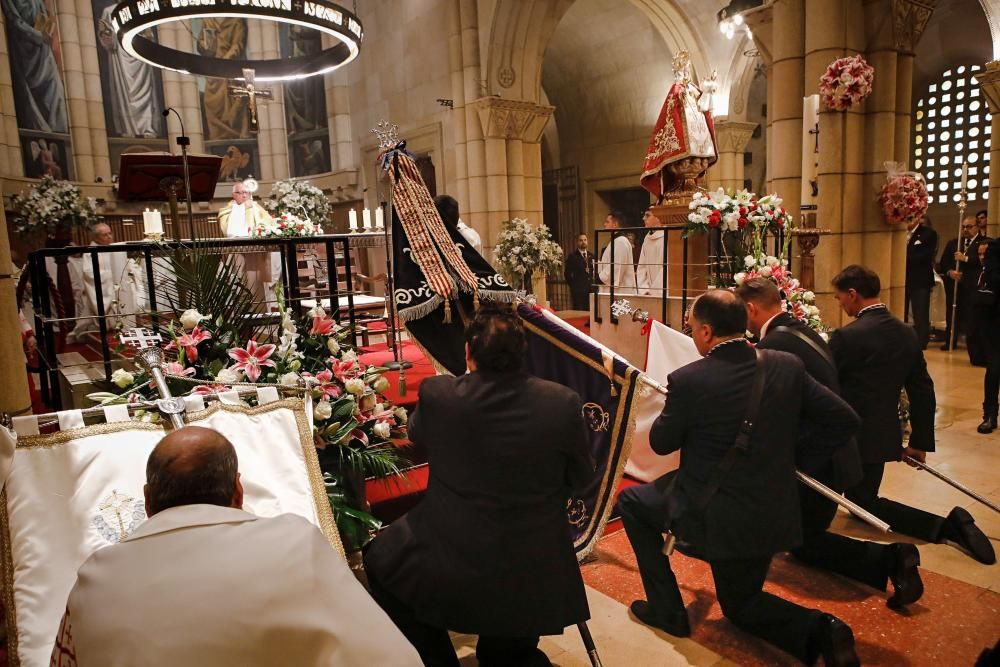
(742, 442)
(808, 341)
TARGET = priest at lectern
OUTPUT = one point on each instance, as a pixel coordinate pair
(238, 217)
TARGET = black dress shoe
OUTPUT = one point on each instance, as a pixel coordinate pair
(904, 575)
(989, 424)
(961, 529)
(675, 623)
(836, 643)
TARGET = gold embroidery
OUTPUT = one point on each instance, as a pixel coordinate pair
(666, 140)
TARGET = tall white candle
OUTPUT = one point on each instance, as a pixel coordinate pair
(151, 222)
(352, 220)
(965, 174)
(157, 222)
(366, 216)
(379, 218)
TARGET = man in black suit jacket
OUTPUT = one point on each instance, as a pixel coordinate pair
(967, 275)
(877, 356)
(579, 274)
(921, 249)
(753, 512)
(872, 563)
(488, 550)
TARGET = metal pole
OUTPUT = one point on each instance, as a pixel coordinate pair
(588, 643)
(958, 485)
(954, 288)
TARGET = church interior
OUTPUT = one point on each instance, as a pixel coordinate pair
(282, 217)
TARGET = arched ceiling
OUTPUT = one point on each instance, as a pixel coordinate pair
(957, 34)
(606, 70)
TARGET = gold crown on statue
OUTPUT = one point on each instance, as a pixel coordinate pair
(682, 65)
(387, 133)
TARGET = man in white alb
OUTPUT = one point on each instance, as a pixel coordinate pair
(120, 285)
(237, 219)
(623, 271)
(649, 275)
(202, 582)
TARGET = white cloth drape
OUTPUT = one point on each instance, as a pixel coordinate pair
(73, 492)
(668, 350)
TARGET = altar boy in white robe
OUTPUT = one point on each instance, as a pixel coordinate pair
(620, 272)
(649, 275)
(120, 282)
(202, 582)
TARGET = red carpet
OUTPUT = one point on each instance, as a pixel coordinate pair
(951, 624)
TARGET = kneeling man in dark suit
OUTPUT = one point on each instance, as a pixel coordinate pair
(488, 550)
(738, 508)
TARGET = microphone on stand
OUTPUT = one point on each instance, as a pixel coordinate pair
(184, 141)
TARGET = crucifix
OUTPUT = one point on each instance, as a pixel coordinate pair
(251, 92)
(150, 357)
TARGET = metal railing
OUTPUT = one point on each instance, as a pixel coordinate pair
(336, 246)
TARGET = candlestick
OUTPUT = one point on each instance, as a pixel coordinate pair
(379, 218)
(366, 216)
(965, 174)
(352, 220)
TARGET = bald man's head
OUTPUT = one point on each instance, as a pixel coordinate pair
(192, 466)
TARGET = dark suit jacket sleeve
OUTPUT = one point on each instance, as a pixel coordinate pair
(924, 254)
(947, 261)
(835, 420)
(568, 272)
(920, 390)
(667, 433)
(415, 425)
(580, 469)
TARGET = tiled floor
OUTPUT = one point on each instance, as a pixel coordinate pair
(958, 616)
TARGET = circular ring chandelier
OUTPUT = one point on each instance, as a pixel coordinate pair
(131, 17)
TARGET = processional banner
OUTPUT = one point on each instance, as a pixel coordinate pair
(73, 492)
(608, 389)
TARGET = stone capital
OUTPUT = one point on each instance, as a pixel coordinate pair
(989, 81)
(760, 20)
(512, 119)
(909, 18)
(733, 135)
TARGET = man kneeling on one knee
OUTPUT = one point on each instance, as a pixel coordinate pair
(488, 550)
(734, 499)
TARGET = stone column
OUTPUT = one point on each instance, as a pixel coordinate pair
(76, 94)
(180, 91)
(93, 93)
(513, 133)
(15, 397)
(732, 137)
(455, 60)
(338, 113)
(477, 204)
(989, 80)
(785, 104)
(10, 142)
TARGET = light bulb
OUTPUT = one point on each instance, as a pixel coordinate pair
(724, 26)
(738, 19)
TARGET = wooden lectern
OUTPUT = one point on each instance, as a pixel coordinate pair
(160, 177)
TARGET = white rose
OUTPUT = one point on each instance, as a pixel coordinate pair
(813, 310)
(380, 385)
(772, 261)
(765, 271)
(379, 408)
(382, 430)
(400, 415)
(355, 386)
(809, 296)
(289, 379)
(350, 355)
(323, 410)
(739, 278)
(794, 282)
(122, 378)
(228, 376)
(317, 311)
(333, 345)
(190, 318)
(750, 261)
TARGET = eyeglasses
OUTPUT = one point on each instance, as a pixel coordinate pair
(969, 226)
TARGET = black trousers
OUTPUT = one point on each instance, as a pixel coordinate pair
(435, 647)
(949, 299)
(977, 332)
(739, 583)
(580, 296)
(918, 306)
(990, 328)
(902, 518)
(867, 562)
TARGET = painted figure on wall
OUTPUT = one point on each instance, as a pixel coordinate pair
(133, 92)
(226, 117)
(305, 107)
(33, 43)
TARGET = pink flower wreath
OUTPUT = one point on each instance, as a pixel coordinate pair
(903, 198)
(846, 82)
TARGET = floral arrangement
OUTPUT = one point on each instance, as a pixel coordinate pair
(298, 198)
(903, 197)
(797, 300)
(523, 249)
(353, 422)
(736, 213)
(52, 206)
(846, 82)
(287, 224)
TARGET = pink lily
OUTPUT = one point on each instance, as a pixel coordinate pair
(252, 359)
(322, 326)
(189, 342)
(384, 416)
(174, 368)
(327, 386)
(344, 370)
(207, 389)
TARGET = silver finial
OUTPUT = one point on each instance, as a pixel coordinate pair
(387, 133)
